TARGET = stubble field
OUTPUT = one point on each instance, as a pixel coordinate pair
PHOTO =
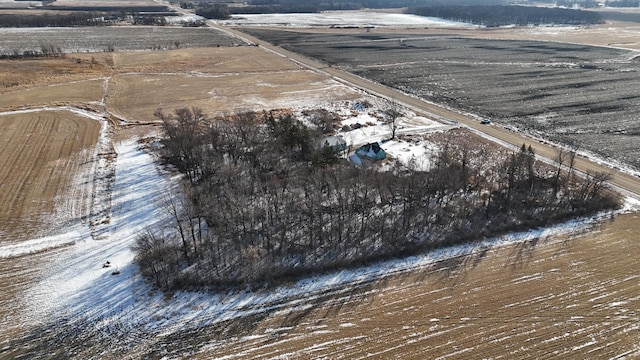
(44, 154)
(131, 86)
(138, 96)
(83, 92)
(580, 95)
(41, 72)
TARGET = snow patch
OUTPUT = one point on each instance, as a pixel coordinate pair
(341, 19)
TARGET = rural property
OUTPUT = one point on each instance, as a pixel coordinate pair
(379, 185)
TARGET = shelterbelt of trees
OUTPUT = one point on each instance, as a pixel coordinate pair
(52, 20)
(489, 15)
(263, 202)
(81, 17)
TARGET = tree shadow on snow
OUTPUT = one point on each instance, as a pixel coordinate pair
(522, 253)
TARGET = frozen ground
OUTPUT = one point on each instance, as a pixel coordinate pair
(77, 292)
(341, 19)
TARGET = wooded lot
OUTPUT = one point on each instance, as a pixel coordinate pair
(264, 203)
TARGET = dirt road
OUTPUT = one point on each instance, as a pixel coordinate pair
(628, 184)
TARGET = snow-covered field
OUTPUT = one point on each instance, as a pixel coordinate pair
(341, 19)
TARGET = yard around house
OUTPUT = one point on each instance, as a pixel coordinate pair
(565, 291)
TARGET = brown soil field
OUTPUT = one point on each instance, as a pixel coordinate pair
(216, 80)
(568, 296)
(15, 277)
(28, 73)
(42, 153)
(77, 92)
(136, 97)
(205, 60)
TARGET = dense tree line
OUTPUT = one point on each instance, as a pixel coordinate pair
(510, 15)
(49, 20)
(211, 11)
(85, 18)
(263, 201)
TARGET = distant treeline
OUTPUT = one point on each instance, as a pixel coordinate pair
(209, 11)
(83, 18)
(509, 15)
(113, 9)
(48, 20)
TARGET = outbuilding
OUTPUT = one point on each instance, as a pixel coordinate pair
(372, 151)
(337, 143)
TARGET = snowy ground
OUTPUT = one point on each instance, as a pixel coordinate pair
(368, 125)
(341, 19)
(78, 287)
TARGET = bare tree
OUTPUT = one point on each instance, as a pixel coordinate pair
(174, 207)
(560, 159)
(183, 139)
(392, 114)
(156, 257)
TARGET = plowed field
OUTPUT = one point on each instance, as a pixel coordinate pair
(80, 92)
(572, 94)
(42, 154)
(110, 38)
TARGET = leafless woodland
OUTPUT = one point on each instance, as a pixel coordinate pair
(263, 203)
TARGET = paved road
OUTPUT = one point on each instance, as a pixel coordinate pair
(626, 183)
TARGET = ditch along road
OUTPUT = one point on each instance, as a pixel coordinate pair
(627, 184)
